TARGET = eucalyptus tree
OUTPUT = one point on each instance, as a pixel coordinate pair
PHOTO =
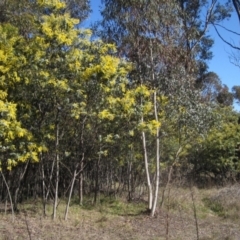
(168, 45)
(197, 18)
(134, 27)
(213, 91)
(225, 97)
(236, 93)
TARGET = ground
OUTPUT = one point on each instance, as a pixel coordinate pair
(216, 216)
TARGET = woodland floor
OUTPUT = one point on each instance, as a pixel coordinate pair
(217, 217)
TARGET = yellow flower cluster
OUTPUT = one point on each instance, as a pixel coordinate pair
(51, 3)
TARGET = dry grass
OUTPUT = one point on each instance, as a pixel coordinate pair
(117, 219)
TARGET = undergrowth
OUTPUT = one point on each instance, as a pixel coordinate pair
(217, 212)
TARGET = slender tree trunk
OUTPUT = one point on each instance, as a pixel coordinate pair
(81, 185)
(19, 185)
(44, 200)
(81, 164)
(153, 210)
(96, 192)
(9, 195)
(2, 190)
(70, 194)
(170, 176)
(75, 174)
(149, 184)
(57, 173)
(155, 200)
(50, 180)
(130, 181)
(150, 192)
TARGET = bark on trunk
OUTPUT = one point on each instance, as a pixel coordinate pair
(81, 185)
(70, 194)
(44, 200)
(96, 192)
(15, 202)
(157, 159)
(130, 191)
(9, 195)
(150, 193)
(57, 173)
(170, 176)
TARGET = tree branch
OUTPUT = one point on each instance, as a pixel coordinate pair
(228, 43)
(231, 31)
(236, 4)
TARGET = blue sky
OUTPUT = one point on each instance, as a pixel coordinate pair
(229, 73)
(220, 64)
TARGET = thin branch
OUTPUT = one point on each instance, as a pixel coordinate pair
(234, 59)
(207, 22)
(231, 31)
(228, 43)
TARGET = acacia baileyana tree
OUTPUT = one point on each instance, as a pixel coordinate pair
(57, 83)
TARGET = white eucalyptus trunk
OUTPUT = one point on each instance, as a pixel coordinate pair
(150, 192)
(155, 200)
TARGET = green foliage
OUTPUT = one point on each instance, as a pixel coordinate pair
(236, 93)
(216, 207)
(216, 153)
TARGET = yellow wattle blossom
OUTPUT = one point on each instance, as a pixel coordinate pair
(16, 77)
(3, 94)
(128, 101)
(52, 3)
(143, 90)
(105, 114)
(105, 48)
(109, 66)
(131, 133)
(147, 107)
(64, 39)
(47, 30)
(112, 100)
(56, 28)
(11, 131)
(3, 56)
(4, 69)
(21, 132)
(109, 138)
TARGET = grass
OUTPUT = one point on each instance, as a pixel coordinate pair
(225, 203)
(121, 207)
(217, 211)
(113, 206)
(216, 207)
